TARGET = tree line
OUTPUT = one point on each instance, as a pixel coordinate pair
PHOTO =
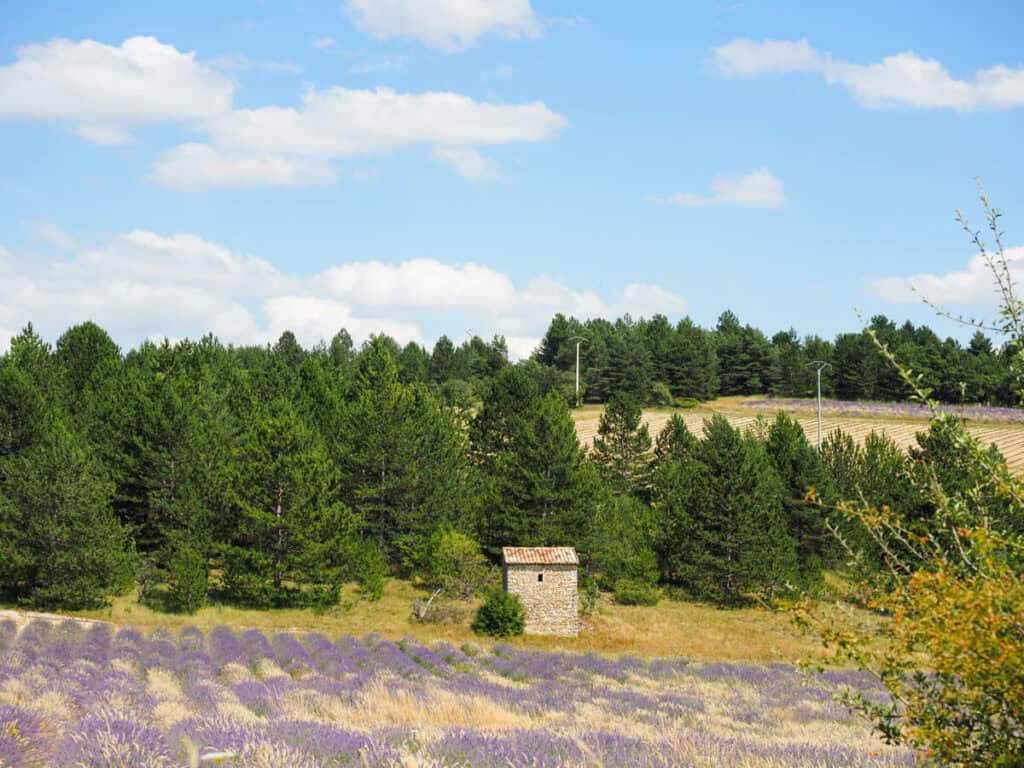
(657, 361)
(271, 476)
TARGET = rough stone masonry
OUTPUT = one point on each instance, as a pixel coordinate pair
(544, 578)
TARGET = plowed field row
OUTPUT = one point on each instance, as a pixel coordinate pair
(1009, 438)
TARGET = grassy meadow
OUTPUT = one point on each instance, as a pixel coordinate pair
(694, 630)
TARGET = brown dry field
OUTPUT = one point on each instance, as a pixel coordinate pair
(1009, 438)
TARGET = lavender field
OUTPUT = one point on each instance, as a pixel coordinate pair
(989, 413)
(93, 696)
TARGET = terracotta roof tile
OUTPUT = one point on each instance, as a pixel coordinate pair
(539, 555)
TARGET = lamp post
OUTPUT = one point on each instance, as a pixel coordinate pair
(819, 366)
(579, 340)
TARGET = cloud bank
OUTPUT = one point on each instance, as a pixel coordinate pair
(107, 91)
(903, 79)
(142, 284)
(971, 286)
(446, 25)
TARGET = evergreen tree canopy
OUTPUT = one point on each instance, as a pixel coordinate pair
(530, 462)
(725, 535)
(289, 527)
(622, 444)
(21, 410)
(799, 469)
(405, 458)
(63, 546)
(83, 351)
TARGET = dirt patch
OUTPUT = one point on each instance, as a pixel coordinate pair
(21, 618)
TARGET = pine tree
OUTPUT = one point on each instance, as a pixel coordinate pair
(34, 358)
(621, 546)
(530, 461)
(725, 532)
(442, 360)
(341, 351)
(404, 458)
(622, 444)
(693, 362)
(69, 550)
(675, 442)
(799, 469)
(21, 411)
(289, 528)
(550, 463)
(162, 426)
(84, 352)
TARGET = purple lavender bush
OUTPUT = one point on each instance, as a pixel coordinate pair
(891, 410)
(87, 697)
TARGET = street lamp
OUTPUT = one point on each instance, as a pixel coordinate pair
(579, 340)
(819, 366)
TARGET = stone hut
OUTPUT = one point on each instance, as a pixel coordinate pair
(545, 580)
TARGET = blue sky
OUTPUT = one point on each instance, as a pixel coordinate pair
(431, 166)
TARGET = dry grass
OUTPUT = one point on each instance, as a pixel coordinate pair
(696, 631)
(1009, 438)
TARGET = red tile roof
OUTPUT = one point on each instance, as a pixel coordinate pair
(539, 555)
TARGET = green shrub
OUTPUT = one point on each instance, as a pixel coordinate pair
(624, 550)
(501, 615)
(186, 577)
(660, 394)
(632, 592)
(589, 594)
(371, 569)
(248, 579)
(685, 402)
(456, 565)
(322, 597)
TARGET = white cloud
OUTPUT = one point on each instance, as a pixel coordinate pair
(972, 286)
(646, 300)
(757, 189)
(324, 43)
(420, 284)
(341, 122)
(105, 88)
(312, 318)
(469, 163)
(904, 79)
(746, 58)
(142, 285)
(184, 259)
(196, 166)
(520, 347)
(448, 25)
(104, 91)
(50, 233)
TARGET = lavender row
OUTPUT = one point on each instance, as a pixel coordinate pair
(91, 696)
(898, 410)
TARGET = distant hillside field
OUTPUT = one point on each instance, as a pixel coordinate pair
(900, 422)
